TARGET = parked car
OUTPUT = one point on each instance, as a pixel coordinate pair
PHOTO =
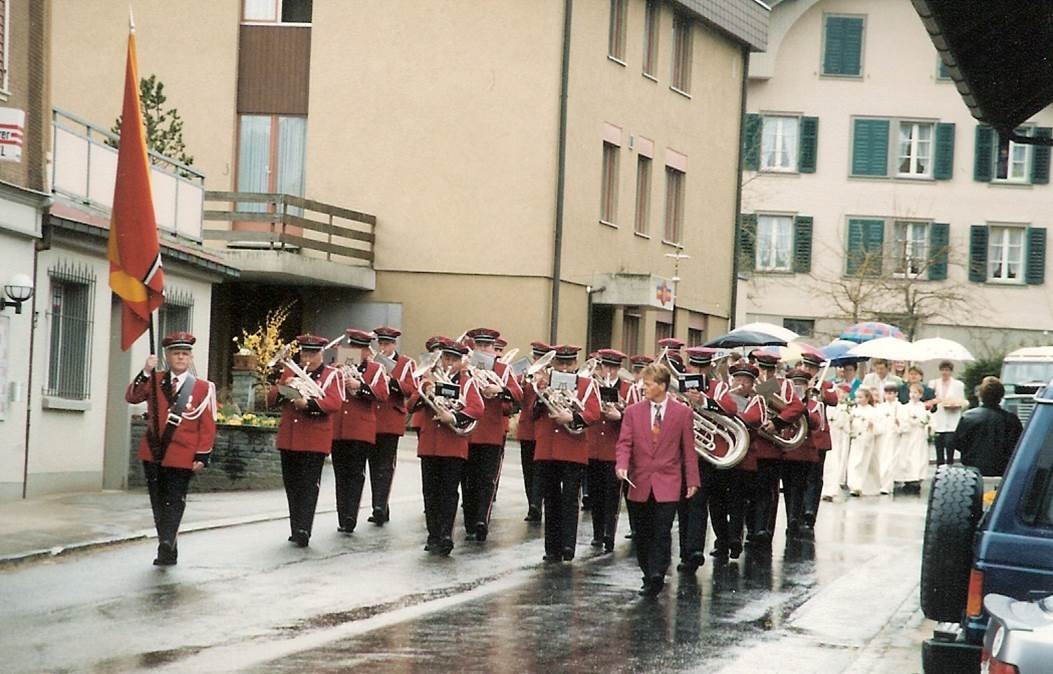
(1019, 636)
(970, 551)
(1024, 372)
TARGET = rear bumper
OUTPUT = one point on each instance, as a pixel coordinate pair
(950, 657)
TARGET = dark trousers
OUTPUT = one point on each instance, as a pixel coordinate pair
(382, 462)
(606, 497)
(944, 451)
(763, 502)
(479, 483)
(691, 513)
(349, 467)
(813, 489)
(440, 478)
(167, 487)
(560, 485)
(530, 482)
(301, 475)
(726, 499)
(653, 535)
(794, 475)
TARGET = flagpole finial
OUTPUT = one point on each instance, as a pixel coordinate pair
(131, 20)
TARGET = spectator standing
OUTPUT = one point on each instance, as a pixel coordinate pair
(946, 410)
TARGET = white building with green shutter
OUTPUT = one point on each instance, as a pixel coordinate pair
(867, 184)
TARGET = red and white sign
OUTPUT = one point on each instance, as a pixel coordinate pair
(12, 125)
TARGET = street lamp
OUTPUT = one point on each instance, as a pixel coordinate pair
(19, 289)
(677, 256)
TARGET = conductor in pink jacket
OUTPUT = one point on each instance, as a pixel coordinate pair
(656, 451)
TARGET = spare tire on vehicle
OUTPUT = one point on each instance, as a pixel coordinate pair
(955, 507)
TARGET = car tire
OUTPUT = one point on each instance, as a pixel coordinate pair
(955, 507)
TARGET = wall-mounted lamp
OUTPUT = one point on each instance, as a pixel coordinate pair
(18, 289)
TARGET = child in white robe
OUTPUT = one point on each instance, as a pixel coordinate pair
(839, 418)
(862, 467)
(913, 464)
(888, 443)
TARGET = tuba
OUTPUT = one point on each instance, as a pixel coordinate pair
(430, 369)
(798, 430)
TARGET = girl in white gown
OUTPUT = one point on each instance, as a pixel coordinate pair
(889, 443)
(865, 428)
(839, 418)
(913, 464)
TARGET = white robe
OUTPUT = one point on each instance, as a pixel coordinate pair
(913, 460)
(865, 429)
(888, 445)
(835, 464)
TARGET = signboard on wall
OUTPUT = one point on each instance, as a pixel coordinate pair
(12, 127)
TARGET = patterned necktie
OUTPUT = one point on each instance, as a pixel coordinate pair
(656, 425)
(166, 385)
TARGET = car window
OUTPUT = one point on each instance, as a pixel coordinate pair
(1026, 373)
(1037, 504)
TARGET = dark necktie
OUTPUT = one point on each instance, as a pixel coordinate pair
(656, 426)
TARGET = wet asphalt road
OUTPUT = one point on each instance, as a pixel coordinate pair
(243, 599)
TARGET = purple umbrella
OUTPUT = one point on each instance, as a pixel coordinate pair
(837, 352)
(868, 330)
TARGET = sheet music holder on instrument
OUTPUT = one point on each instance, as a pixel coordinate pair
(288, 392)
(768, 389)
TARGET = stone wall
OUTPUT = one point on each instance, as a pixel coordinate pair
(244, 457)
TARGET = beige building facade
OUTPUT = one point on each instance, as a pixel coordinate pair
(437, 132)
(865, 169)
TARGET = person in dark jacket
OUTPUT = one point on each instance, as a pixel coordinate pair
(987, 435)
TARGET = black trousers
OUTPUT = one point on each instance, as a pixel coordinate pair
(349, 467)
(382, 461)
(726, 499)
(691, 513)
(794, 476)
(560, 485)
(301, 475)
(479, 483)
(167, 487)
(606, 500)
(763, 501)
(944, 451)
(813, 489)
(440, 478)
(653, 535)
(530, 482)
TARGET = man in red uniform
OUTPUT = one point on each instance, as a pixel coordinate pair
(562, 450)
(656, 456)
(797, 463)
(305, 432)
(525, 436)
(603, 438)
(443, 443)
(486, 443)
(418, 416)
(825, 393)
(391, 423)
(728, 522)
(180, 431)
(355, 430)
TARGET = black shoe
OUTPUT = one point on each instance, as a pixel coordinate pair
(166, 554)
(690, 565)
(481, 531)
(568, 554)
(300, 538)
(341, 529)
(533, 514)
(735, 550)
(652, 587)
(596, 543)
(445, 547)
(629, 535)
(608, 544)
(379, 516)
(552, 557)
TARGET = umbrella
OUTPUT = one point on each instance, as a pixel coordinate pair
(739, 338)
(837, 352)
(938, 348)
(890, 348)
(868, 330)
(769, 329)
(793, 351)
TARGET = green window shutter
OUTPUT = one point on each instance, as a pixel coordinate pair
(842, 54)
(870, 147)
(873, 245)
(1035, 272)
(751, 139)
(939, 243)
(978, 253)
(983, 164)
(802, 244)
(852, 62)
(1040, 158)
(807, 147)
(863, 251)
(943, 167)
(854, 247)
(748, 240)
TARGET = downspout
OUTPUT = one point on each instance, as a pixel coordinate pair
(557, 239)
(738, 190)
(38, 246)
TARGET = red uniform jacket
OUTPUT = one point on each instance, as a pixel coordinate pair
(554, 443)
(494, 423)
(820, 434)
(525, 427)
(438, 439)
(658, 464)
(391, 414)
(753, 412)
(194, 435)
(310, 430)
(761, 447)
(808, 451)
(603, 435)
(357, 418)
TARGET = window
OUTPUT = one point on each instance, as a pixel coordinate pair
(1005, 254)
(631, 331)
(805, 327)
(643, 195)
(942, 72)
(1019, 163)
(662, 330)
(174, 316)
(616, 35)
(681, 80)
(774, 243)
(1013, 163)
(650, 55)
(914, 157)
(695, 336)
(609, 188)
(674, 205)
(911, 253)
(271, 156)
(70, 318)
(779, 144)
(277, 11)
(843, 46)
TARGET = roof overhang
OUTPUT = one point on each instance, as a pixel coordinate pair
(744, 21)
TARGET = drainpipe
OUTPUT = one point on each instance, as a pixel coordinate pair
(738, 190)
(557, 239)
(39, 246)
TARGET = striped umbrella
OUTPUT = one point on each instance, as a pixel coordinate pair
(868, 330)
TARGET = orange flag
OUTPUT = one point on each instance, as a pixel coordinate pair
(136, 275)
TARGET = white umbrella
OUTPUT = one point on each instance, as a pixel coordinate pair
(769, 329)
(889, 348)
(938, 348)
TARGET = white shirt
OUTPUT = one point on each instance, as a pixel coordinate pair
(944, 419)
(659, 407)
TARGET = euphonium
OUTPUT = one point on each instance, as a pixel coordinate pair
(429, 369)
(557, 401)
(791, 441)
(710, 425)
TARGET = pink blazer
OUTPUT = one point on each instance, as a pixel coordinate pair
(659, 465)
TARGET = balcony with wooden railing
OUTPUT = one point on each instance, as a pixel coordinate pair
(281, 238)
